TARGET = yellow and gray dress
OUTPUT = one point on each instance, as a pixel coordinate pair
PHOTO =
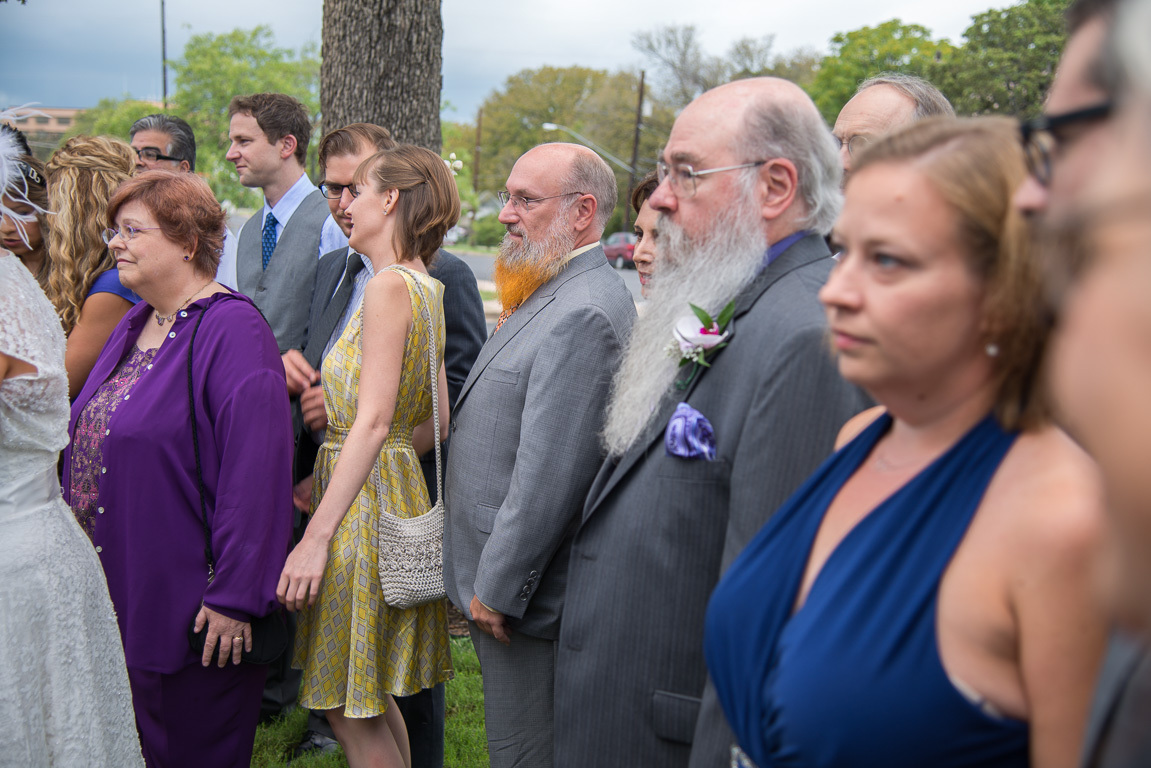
(355, 649)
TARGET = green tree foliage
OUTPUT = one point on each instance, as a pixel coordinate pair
(855, 56)
(459, 141)
(598, 105)
(1007, 61)
(111, 117)
(799, 66)
(488, 231)
(215, 68)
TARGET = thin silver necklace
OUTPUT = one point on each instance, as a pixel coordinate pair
(161, 319)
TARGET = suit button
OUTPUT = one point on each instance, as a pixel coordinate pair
(453, 428)
(523, 598)
(533, 574)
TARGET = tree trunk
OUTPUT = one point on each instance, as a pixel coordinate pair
(382, 64)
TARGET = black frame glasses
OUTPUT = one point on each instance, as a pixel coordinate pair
(1043, 136)
(336, 191)
(152, 154)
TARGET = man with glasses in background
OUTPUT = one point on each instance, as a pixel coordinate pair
(165, 142)
(525, 436)
(881, 105)
(1063, 148)
(704, 443)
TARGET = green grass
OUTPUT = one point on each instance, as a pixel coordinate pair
(465, 741)
(489, 295)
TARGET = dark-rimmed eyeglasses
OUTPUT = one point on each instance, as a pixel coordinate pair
(151, 155)
(1043, 136)
(523, 204)
(125, 233)
(854, 145)
(336, 191)
(682, 177)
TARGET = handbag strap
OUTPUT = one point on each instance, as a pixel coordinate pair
(196, 448)
(433, 375)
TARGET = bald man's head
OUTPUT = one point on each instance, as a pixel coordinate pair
(587, 172)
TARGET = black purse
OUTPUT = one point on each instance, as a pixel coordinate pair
(269, 633)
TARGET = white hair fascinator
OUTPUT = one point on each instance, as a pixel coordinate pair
(15, 174)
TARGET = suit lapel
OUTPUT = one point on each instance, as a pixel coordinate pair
(809, 249)
(519, 319)
(337, 302)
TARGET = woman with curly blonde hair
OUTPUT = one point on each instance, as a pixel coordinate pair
(82, 280)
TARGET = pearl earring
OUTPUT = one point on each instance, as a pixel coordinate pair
(992, 349)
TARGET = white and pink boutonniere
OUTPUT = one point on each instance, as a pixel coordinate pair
(697, 335)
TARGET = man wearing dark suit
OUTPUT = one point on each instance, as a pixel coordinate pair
(341, 278)
(706, 434)
(524, 437)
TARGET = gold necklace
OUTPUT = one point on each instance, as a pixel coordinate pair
(161, 319)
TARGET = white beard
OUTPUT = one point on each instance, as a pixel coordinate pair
(709, 274)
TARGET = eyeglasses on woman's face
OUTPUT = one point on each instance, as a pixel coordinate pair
(126, 233)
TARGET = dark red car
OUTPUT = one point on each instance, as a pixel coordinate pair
(619, 248)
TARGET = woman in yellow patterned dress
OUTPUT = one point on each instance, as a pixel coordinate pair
(354, 649)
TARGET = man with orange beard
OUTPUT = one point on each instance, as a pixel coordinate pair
(525, 436)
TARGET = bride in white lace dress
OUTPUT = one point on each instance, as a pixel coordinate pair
(64, 696)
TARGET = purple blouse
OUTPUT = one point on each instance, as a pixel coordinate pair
(88, 437)
(147, 529)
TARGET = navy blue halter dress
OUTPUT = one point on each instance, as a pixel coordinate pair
(854, 678)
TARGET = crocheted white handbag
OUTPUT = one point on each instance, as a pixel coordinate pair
(411, 550)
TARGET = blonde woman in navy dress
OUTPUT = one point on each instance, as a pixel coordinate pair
(925, 598)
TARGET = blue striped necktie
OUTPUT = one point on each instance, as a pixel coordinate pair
(269, 241)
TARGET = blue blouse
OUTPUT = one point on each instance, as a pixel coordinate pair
(109, 282)
(854, 678)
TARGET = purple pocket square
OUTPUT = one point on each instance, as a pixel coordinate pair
(689, 434)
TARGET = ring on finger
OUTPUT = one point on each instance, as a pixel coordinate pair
(238, 639)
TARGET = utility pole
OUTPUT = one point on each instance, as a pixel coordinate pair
(476, 157)
(164, 55)
(634, 156)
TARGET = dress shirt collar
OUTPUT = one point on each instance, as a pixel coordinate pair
(288, 204)
(776, 249)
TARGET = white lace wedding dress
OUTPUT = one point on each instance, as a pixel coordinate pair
(64, 695)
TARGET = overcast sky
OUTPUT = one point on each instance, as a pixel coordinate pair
(72, 53)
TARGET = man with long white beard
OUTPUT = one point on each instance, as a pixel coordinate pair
(525, 436)
(727, 398)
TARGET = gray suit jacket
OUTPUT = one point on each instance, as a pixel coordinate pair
(525, 444)
(283, 291)
(658, 530)
(1117, 735)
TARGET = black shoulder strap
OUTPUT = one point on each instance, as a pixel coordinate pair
(196, 448)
